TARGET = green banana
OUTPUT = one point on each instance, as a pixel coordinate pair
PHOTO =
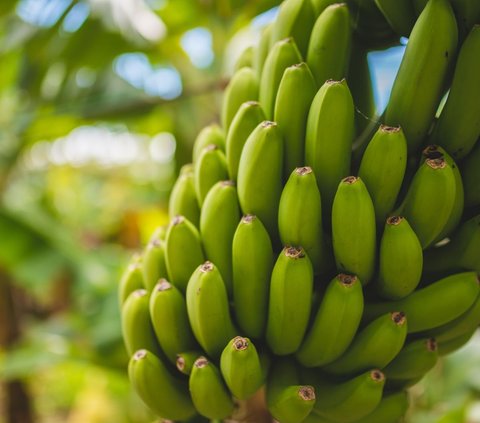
(242, 87)
(287, 400)
(295, 19)
(295, 94)
(284, 53)
(300, 218)
(434, 305)
(353, 399)
(430, 199)
(399, 14)
(168, 313)
(458, 126)
(252, 263)
(207, 307)
(185, 361)
(248, 117)
(330, 44)
(153, 263)
(471, 176)
(245, 59)
(335, 322)
(183, 251)
(419, 83)
(183, 199)
(321, 5)
(131, 280)
(211, 134)
(353, 229)
(209, 393)
(218, 221)
(210, 168)
(376, 345)
(259, 186)
(160, 391)
(328, 142)
(241, 368)
(137, 329)
(291, 289)
(455, 344)
(391, 409)
(383, 167)
(468, 15)
(261, 51)
(400, 259)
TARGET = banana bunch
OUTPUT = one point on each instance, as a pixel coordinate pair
(315, 267)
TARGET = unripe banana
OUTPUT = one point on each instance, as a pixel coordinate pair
(383, 167)
(207, 307)
(242, 87)
(209, 393)
(218, 221)
(153, 263)
(330, 44)
(430, 199)
(160, 391)
(259, 186)
(434, 305)
(132, 279)
(252, 262)
(399, 14)
(290, 301)
(248, 117)
(353, 229)
(295, 19)
(300, 218)
(468, 14)
(183, 251)
(137, 329)
(295, 94)
(455, 344)
(168, 313)
(284, 53)
(335, 323)
(185, 361)
(419, 83)
(400, 259)
(471, 176)
(183, 199)
(391, 409)
(348, 401)
(211, 134)
(321, 5)
(245, 60)
(241, 368)
(210, 168)
(376, 345)
(261, 51)
(328, 143)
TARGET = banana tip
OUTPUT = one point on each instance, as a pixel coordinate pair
(294, 252)
(140, 355)
(305, 170)
(248, 218)
(432, 345)
(201, 362)
(140, 293)
(162, 285)
(180, 362)
(438, 163)
(346, 279)
(307, 393)
(399, 318)
(239, 343)
(177, 220)
(207, 267)
(390, 129)
(394, 220)
(377, 375)
(350, 180)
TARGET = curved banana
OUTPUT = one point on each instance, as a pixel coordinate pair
(291, 290)
(375, 345)
(295, 19)
(391, 409)
(434, 305)
(168, 313)
(160, 391)
(208, 312)
(400, 259)
(382, 169)
(295, 94)
(261, 51)
(248, 117)
(183, 199)
(259, 186)
(335, 322)
(210, 168)
(328, 142)
(218, 221)
(131, 280)
(245, 59)
(284, 53)
(420, 81)
(241, 368)
(252, 263)
(153, 263)
(211, 134)
(429, 200)
(353, 229)
(399, 14)
(471, 176)
(300, 218)
(330, 44)
(242, 87)
(185, 361)
(183, 251)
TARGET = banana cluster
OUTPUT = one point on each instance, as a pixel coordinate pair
(312, 257)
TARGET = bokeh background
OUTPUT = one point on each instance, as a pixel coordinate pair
(100, 102)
